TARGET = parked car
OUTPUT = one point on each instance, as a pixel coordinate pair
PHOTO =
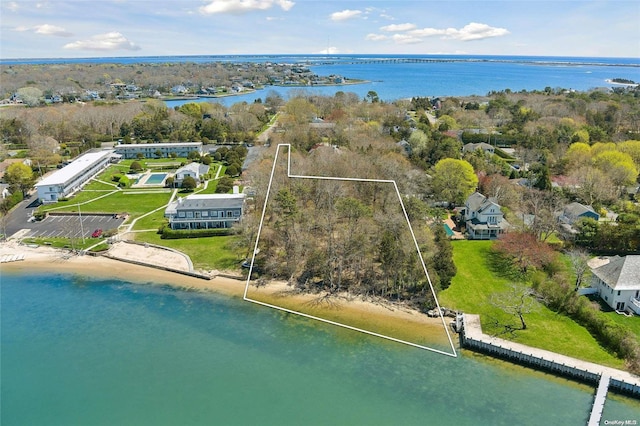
(97, 233)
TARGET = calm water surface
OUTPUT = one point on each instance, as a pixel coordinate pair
(101, 352)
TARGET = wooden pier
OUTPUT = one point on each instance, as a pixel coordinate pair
(472, 337)
(598, 403)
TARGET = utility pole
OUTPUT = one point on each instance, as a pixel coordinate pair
(81, 227)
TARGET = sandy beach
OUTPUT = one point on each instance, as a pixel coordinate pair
(373, 315)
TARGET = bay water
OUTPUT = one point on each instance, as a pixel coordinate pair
(87, 351)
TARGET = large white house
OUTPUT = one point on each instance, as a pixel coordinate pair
(205, 211)
(483, 218)
(618, 282)
(73, 176)
(150, 150)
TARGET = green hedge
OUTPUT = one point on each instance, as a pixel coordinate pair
(171, 234)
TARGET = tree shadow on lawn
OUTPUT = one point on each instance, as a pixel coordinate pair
(502, 266)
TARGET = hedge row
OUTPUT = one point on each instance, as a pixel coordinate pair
(172, 234)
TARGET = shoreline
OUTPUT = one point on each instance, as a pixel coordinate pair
(372, 315)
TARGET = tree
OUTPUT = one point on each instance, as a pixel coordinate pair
(224, 185)
(189, 183)
(20, 177)
(31, 96)
(372, 96)
(517, 300)
(453, 180)
(169, 182)
(443, 258)
(135, 167)
(524, 250)
(579, 258)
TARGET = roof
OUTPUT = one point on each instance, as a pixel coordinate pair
(206, 201)
(157, 145)
(77, 166)
(197, 168)
(478, 202)
(575, 210)
(474, 146)
(621, 273)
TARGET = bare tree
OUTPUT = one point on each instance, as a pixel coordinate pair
(517, 300)
(579, 258)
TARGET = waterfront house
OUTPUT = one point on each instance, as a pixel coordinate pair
(205, 211)
(483, 218)
(195, 170)
(617, 281)
(73, 176)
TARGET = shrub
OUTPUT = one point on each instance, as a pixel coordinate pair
(136, 166)
(124, 182)
(171, 234)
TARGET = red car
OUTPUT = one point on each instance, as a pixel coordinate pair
(96, 233)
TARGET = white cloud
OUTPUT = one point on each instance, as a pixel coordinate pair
(398, 27)
(345, 14)
(53, 30)
(12, 6)
(109, 41)
(387, 16)
(329, 51)
(243, 6)
(46, 29)
(471, 31)
(405, 39)
(376, 37)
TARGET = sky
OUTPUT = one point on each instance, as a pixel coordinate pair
(95, 28)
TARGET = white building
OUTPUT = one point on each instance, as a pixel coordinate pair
(483, 218)
(195, 170)
(150, 150)
(72, 177)
(618, 282)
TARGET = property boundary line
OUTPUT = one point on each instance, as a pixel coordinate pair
(415, 241)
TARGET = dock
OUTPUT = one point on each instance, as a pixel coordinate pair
(472, 337)
(598, 403)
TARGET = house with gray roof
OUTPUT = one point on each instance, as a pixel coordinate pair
(483, 218)
(618, 282)
(195, 170)
(205, 211)
(485, 147)
(576, 211)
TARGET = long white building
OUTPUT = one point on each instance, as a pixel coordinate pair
(149, 150)
(72, 177)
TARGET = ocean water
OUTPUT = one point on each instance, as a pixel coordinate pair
(450, 75)
(463, 76)
(80, 351)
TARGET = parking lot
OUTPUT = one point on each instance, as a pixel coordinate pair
(73, 226)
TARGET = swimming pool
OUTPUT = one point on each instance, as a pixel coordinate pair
(448, 230)
(155, 178)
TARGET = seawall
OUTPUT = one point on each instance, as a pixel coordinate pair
(472, 337)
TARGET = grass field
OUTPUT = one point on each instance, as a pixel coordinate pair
(205, 253)
(470, 292)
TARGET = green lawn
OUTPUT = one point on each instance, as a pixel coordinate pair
(470, 291)
(133, 202)
(205, 253)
